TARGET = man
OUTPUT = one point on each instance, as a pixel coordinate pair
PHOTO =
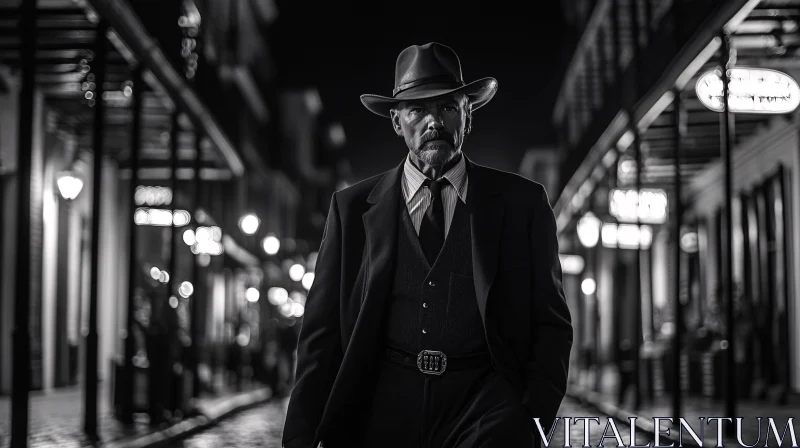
(437, 316)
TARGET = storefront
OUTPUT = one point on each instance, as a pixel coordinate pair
(670, 134)
(765, 252)
(61, 207)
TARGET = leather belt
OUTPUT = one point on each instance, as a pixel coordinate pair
(434, 362)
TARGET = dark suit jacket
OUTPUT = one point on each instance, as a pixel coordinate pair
(517, 281)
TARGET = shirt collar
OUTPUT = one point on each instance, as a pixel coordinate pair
(457, 176)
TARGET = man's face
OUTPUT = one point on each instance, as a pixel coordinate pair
(433, 129)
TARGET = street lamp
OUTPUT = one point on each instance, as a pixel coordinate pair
(588, 286)
(249, 224)
(186, 289)
(296, 272)
(271, 244)
(69, 185)
(308, 280)
(589, 230)
(252, 295)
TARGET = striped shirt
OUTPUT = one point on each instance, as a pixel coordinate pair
(418, 197)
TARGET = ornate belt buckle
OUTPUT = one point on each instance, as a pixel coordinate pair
(431, 362)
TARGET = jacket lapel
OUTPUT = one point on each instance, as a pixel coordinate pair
(380, 225)
(486, 219)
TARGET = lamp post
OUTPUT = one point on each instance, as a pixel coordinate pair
(679, 114)
(728, 135)
(169, 313)
(69, 187)
(589, 235)
(21, 336)
(92, 337)
(197, 304)
(128, 381)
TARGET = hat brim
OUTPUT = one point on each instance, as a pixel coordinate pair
(479, 92)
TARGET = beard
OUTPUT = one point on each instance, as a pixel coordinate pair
(436, 148)
(435, 154)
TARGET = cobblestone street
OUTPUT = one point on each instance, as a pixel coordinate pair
(56, 419)
(262, 426)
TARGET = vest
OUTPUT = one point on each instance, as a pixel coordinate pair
(435, 307)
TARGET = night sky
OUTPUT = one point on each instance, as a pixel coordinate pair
(348, 48)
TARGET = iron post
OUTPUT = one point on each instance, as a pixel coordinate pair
(92, 337)
(129, 372)
(21, 333)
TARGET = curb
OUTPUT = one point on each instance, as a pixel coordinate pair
(208, 418)
(643, 423)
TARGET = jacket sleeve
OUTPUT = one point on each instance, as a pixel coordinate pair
(547, 368)
(319, 351)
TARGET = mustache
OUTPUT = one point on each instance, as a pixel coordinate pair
(438, 135)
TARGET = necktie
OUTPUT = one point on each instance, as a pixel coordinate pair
(431, 232)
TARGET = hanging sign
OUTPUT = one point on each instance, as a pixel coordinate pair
(751, 91)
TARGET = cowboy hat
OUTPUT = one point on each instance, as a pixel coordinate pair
(429, 71)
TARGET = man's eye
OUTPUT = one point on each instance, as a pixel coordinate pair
(416, 110)
(450, 108)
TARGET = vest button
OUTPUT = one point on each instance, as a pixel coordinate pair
(431, 283)
(425, 305)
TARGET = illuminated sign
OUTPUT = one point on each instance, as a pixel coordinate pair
(649, 205)
(157, 217)
(626, 236)
(153, 196)
(751, 90)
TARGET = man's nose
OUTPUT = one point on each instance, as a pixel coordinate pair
(435, 123)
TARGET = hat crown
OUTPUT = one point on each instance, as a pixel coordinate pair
(424, 64)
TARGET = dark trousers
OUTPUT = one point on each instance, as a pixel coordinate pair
(459, 409)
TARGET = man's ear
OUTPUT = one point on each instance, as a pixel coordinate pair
(395, 117)
(467, 105)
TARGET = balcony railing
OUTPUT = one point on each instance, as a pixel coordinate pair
(590, 98)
